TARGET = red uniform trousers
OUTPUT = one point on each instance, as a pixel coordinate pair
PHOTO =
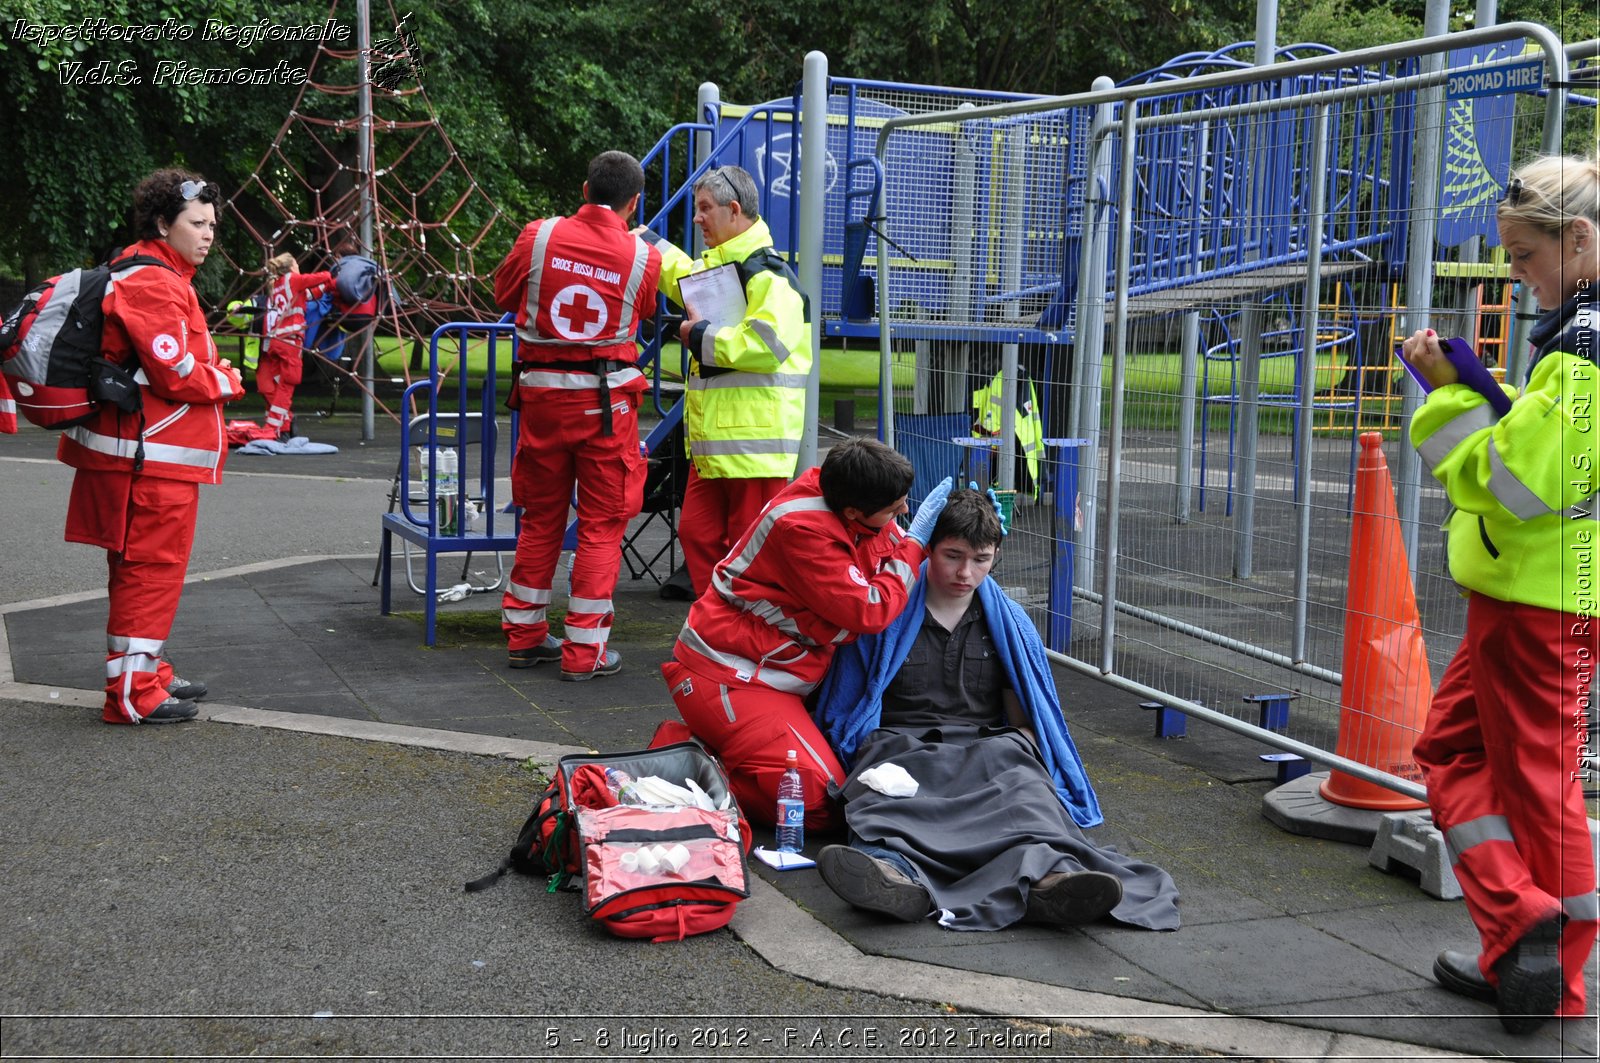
(561, 445)
(1500, 756)
(715, 512)
(751, 728)
(277, 373)
(146, 526)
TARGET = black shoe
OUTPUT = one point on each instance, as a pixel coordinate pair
(547, 651)
(184, 690)
(173, 710)
(1531, 978)
(1458, 972)
(610, 664)
(1070, 898)
(871, 884)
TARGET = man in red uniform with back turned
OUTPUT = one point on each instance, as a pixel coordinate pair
(579, 287)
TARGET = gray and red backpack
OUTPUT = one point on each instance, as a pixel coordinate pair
(50, 348)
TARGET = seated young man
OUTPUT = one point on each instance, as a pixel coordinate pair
(958, 693)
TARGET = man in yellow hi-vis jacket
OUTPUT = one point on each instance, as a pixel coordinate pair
(746, 402)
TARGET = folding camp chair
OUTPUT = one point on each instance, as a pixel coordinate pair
(663, 496)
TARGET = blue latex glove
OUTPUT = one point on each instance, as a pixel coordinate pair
(994, 500)
(928, 513)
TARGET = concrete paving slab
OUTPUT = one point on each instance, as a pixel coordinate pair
(1432, 1017)
(1406, 934)
(338, 703)
(1247, 967)
(1087, 964)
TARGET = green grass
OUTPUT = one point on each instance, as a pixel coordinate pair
(842, 369)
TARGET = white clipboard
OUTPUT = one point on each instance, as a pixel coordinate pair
(714, 295)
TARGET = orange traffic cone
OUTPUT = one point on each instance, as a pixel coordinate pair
(1387, 687)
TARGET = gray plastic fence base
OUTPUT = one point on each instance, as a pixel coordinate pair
(1411, 839)
(1299, 808)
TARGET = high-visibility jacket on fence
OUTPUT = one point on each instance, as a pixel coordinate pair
(1525, 528)
(286, 309)
(801, 581)
(579, 287)
(746, 402)
(153, 319)
(989, 408)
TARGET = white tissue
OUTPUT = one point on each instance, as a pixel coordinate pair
(891, 780)
(654, 790)
(701, 798)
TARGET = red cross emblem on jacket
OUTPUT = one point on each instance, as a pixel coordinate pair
(578, 312)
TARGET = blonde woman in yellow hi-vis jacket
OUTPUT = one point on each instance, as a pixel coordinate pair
(746, 402)
(1504, 746)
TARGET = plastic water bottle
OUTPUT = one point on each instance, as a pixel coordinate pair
(449, 489)
(791, 807)
(621, 784)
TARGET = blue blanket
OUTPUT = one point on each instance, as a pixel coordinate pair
(850, 701)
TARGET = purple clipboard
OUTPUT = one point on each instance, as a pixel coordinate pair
(1469, 370)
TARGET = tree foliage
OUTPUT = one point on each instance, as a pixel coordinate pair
(529, 90)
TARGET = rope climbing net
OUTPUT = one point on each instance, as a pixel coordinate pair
(429, 216)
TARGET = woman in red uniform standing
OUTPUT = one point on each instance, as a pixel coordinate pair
(136, 492)
(280, 368)
(1505, 748)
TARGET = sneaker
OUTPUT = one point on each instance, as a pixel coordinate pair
(610, 664)
(1531, 978)
(173, 710)
(546, 651)
(873, 885)
(1458, 972)
(1071, 898)
(184, 690)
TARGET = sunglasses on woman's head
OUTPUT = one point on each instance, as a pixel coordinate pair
(1513, 192)
(192, 189)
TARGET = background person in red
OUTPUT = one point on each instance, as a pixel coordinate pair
(579, 287)
(824, 562)
(280, 368)
(138, 498)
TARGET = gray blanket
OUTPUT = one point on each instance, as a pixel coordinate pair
(985, 824)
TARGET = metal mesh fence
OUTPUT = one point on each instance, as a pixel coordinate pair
(1180, 329)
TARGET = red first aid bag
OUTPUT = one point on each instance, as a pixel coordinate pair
(657, 871)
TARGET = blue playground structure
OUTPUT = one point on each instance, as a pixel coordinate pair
(1221, 202)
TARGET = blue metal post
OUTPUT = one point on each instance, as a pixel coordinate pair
(1064, 534)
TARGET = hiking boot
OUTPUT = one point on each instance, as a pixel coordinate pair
(1071, 898)
(873, 885)
(610, 664)
(546, 651)
(1458, 972)
(184, 690)
(173, 710)
(1531, 978)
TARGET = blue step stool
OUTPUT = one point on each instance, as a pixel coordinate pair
(1290, 765)
(1273, 709)
(1170, 723)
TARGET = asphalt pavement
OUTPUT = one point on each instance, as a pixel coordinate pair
(284, 877)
